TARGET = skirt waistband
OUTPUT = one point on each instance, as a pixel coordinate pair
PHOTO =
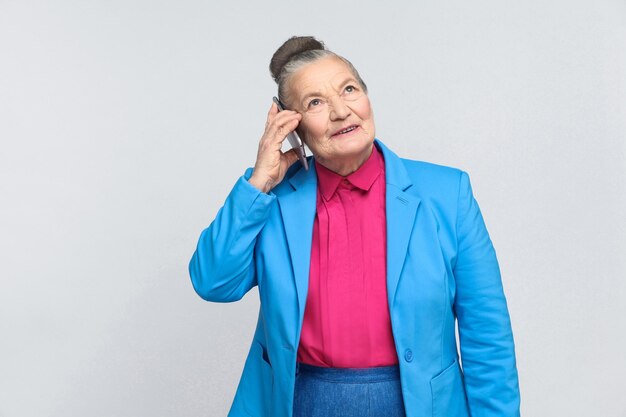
(350, 375)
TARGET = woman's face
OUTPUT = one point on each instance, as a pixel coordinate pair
(337, 120)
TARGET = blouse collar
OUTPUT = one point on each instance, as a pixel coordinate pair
(362, 178)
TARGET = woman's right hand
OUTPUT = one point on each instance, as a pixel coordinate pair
(271, 162)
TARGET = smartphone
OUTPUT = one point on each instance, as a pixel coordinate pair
(294, 139)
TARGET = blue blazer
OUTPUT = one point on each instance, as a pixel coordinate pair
(441, 267)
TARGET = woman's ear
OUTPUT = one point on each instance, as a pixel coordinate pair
(301, 134)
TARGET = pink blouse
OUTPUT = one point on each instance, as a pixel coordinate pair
(346, 320)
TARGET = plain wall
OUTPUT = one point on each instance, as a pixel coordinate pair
(124, 125)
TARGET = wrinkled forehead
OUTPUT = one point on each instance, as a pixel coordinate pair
(324, 76)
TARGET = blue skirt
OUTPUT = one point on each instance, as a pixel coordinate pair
(347, 392)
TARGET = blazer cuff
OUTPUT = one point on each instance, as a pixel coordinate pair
(252, 203)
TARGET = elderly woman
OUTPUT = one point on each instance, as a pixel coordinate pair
(363, 264)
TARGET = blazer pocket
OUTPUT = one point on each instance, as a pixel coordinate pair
(264, 355)
(448, 392)
(258, 382)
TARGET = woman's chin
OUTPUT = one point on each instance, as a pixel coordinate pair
(355, 150)
(355, 145)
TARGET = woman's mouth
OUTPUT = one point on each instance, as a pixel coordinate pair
(346, 131)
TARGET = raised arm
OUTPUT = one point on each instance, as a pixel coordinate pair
(222, 267)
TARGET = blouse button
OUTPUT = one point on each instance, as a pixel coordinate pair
(408, 355)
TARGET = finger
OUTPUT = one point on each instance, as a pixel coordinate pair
(285, 129)
(283, 117)
(273, 110)
(279, 128)
(271, 113)
(291, 156)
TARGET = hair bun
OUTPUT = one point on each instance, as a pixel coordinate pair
(292, 47)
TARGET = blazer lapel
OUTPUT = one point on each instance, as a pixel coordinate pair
(401, 209)
(297, 201)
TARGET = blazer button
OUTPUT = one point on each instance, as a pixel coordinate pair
(408, 355)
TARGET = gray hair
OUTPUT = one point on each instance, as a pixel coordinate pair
(304, 58)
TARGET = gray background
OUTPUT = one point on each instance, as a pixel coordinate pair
(124, 124)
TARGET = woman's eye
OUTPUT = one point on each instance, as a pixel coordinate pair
(315, 102)
(350, 89)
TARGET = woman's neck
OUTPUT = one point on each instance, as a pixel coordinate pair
(347, 166)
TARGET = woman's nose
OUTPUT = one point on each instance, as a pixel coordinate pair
(338, 108)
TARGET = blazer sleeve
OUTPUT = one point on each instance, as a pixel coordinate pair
(486, 338)
(222, 268)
